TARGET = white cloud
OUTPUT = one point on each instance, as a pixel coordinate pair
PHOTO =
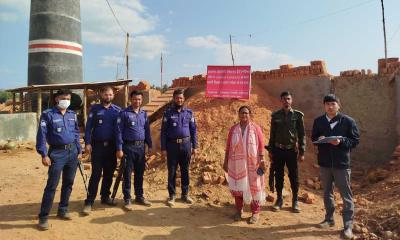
(100, 28)
(13, 10)
(259, 57)
(110, 61)
(145, 47)
(8, 17)
(4, 70)
(148, 46)
(209, 41)
(195, 66)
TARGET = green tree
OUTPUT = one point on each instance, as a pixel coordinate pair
(4, 96)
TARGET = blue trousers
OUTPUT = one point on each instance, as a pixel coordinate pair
(134, 161)
(341, 178)
(178, 154)
(104, 162)
(62, 161)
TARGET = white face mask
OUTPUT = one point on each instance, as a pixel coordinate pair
(64, 104)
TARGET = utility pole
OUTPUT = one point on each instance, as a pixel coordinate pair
(161, 70)
(127, 55)
(230, 42)
(384, 31)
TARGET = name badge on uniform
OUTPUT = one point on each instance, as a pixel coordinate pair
(133, 123)
(100, 121)
(174, 124)
(58, 129)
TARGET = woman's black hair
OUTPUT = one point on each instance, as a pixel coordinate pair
(245, 106)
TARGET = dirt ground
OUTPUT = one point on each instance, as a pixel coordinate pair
(22, 179)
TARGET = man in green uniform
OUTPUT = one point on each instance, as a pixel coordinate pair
(286, 146)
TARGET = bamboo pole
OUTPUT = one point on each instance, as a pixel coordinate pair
(39, 105)
(13, 102)
(84, 106)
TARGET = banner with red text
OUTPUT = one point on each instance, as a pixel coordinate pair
(228, 82)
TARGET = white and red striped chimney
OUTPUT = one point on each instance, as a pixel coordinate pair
(55, 50)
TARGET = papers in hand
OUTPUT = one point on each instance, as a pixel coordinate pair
(328, 139)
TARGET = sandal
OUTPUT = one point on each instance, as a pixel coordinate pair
(253, 219)
(238, 216)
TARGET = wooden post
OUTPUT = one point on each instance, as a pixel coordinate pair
(84, 106)
(21, 101)
(126, 90)
(51, 100)
(13, 102)
(39, 105)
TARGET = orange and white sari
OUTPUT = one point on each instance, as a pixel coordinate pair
(243, 160)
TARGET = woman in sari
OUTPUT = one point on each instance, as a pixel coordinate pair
(244, 163)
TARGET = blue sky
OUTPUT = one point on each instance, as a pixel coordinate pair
(194, 34)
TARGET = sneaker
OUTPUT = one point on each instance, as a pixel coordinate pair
(43, 224)
(187, 199)
(326, 224)
(295, 207)
(171, 201)
(86, 209)
(108, 201)
(278, 205)
(143, 201)
(348, 233)
(64, 215)
(128, 206)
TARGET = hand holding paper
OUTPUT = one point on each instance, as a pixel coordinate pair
(335, 140)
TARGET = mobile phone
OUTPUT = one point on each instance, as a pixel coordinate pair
(260, 171)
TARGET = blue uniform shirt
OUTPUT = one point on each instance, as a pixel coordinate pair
(132, 126)
(57, 129)
(100, 124)
(178, 125)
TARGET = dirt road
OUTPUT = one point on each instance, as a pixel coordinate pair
(22, 179)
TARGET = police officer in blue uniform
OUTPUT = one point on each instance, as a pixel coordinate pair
(178, 143)
(99, 137)
(59, 128)
(132, 133)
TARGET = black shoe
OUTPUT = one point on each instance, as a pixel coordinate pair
(187, 199)
(64, 215)
(43, 224)
(143, 201)
(108, 201)
(326, 224)
(295, 207)
(128, 206)
(87, 209)
(278, 205)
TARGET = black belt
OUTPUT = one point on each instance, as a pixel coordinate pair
(66, 146)
(136, 143)
(284, 147)
(104, 143)
(179, 140)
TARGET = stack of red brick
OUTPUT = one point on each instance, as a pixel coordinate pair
(352, 73)
(316, 68)
(196, 80)
(388, 68)
(142, 86)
